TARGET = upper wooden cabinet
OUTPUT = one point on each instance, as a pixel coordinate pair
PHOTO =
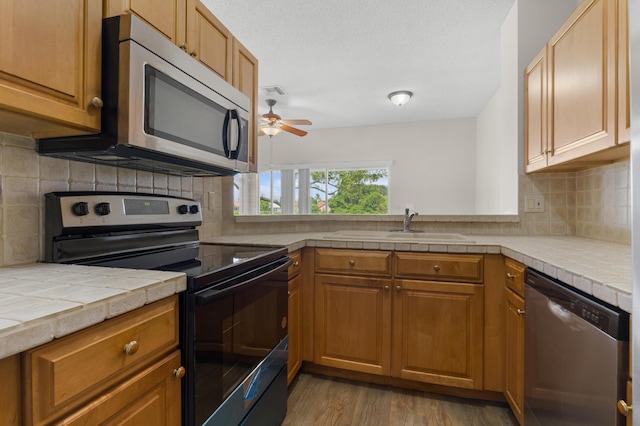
(624, 105)
(245, 79)
(50, 67)
(210, 41)
(535, 110)
(167, 16)
(571, 92)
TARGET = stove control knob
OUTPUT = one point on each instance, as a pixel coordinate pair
(80, 208)
(183, 209)
(193, 209)
(103, 209)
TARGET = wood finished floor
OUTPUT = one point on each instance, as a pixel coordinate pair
(318, 400)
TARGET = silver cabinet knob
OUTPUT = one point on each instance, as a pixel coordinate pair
(131, 347)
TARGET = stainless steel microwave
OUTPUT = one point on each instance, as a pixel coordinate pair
(162, 110)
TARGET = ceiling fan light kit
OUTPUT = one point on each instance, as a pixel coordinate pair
(270, 130)
(274, 124)
(400, 97)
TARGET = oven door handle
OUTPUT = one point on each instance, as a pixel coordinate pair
(208, 296)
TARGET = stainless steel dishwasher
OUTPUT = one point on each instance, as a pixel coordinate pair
(576, 355)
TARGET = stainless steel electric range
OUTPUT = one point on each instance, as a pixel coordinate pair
(233, 313)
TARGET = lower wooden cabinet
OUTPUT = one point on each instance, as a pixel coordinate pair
(514, 374)
(353, 323)
(147, 398)
(437, 333)
(10, 391)
(120, 370)
(426, 330)
(294, 362)
(514, 337)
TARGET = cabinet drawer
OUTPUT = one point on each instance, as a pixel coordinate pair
(68, 372)
(357, 262)
(514, 276)
(439, 267)
(296, 264)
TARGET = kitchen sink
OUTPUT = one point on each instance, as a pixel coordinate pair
(404, 236)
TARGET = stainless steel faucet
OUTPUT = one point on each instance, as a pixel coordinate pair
(406, 223)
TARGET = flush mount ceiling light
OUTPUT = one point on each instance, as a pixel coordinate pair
(400, 97)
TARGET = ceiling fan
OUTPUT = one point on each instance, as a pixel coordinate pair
(272, 123)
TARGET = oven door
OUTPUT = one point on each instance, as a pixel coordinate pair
(236, 346)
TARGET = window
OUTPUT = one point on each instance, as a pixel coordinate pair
(317, 190)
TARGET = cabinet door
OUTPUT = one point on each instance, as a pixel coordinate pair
(514, 374)
(245, 79)
(151, 397)
(535, 113)
(167, 16)
(295, 319)
(50, 66)
(624, 108)
(437, 333)
(353, 323)
(209, 41)
(582, 83)
(10, 389)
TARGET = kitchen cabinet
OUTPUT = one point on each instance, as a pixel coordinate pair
(624, 104)
(123, 369)
(245, 79)
(294, 362)
(192, 26)
(50, 72)
(535, 111)
(438, 319)
(514, 338)
(432, 304)
(210, 41)
(168, 17)
(353, 310)
(10, 389)
(573, 96)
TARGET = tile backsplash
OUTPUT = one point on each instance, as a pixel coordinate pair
(27, 176)
(593, 203)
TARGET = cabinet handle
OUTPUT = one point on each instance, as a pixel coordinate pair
(624, 409)
(519, 311)
(193, 54)
(288, 292)
(131, 347)
(352, 262)
(510, 275)
(183, 47)
(97, 102)
(386, 288)
(296, 264)
(179, 372)
(398, 288)
(436, 268)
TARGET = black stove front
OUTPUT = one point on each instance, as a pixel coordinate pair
(233, 314)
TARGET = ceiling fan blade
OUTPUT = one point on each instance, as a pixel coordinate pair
(299, 122)
(293, 130)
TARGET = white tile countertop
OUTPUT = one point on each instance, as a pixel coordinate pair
(599, 268)
(43, 301)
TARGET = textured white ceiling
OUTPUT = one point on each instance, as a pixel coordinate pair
(339, 59)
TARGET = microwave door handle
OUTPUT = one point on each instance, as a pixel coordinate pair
(232, 134)
(209, 296)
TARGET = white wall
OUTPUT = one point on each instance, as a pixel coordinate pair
(433, 162)
(497, 132)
